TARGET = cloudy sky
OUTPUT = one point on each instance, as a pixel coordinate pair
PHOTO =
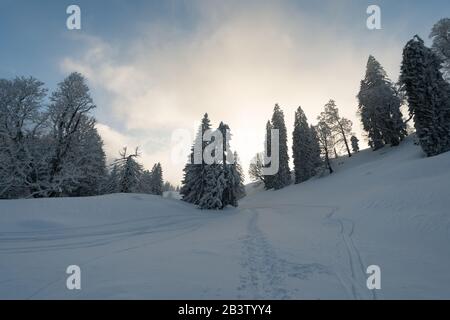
(155, 67)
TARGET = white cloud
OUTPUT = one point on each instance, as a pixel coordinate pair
(235, 64)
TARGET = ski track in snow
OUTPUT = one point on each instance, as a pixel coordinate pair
(92, 236)
(98, 235)
(263, 272)
(354, 276)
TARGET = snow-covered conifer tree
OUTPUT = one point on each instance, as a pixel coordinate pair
(130, 172)
(113, 181)
(237, 179)
(441, 44)
(283, 177)
(215, 184)
(428, 96)
(87, 155)
(379, 107)
(145, 184)
(194, 178)
(157, 180)
(302, 148)
(355, 145)
(228, 196)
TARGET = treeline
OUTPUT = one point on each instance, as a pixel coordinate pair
(423, 88)
(213, 177)
(50, 147)
(312, 146)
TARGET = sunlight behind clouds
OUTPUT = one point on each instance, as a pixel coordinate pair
(235, 64)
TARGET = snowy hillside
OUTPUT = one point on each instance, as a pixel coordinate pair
(315, 240)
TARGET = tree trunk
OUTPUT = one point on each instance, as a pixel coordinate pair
(345, 140)
(327, 161)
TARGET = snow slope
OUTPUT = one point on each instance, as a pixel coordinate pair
(311, 241)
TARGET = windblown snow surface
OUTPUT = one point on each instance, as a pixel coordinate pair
(311, 241)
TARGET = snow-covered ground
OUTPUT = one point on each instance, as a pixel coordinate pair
(315, 240)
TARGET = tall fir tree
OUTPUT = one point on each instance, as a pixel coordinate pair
(156, 180)
(130, 172)
(302, 148)
(194, 179)
(146, 182)
(283, 177)
(237, 178)
(213, 185)
(428, 96)
(113, 180)
(441, 44)
(228, 196)
(379, 107)
(211, 198)
(88, 156)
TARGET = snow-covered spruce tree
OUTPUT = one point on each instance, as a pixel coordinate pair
(326, 140)
(237, 176)
(283, 177)
(341, 128)
(194, 179)
(379, 107)
(268, 179)
(145, 185)
(69, 103)
(316, 159)
(428, 96)
(302, 148)
(355, 144)
(228, 196)
(112, 184)
(441, 44)
(130, 171)
(21, 123)
(215, 185)
(227, 173)
(87, 155)
(157, 180)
